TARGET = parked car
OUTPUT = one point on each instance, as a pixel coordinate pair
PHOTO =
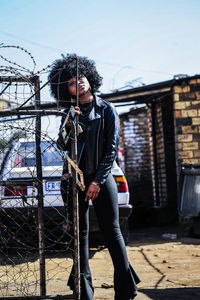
(18, 183)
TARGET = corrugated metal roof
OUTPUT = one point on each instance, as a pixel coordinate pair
(146, 92)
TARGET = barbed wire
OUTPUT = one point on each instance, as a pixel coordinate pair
(19, 223)
(14, 63)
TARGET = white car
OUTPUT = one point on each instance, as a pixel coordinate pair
(18, 180)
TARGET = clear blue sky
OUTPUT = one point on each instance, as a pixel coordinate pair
(147, 39)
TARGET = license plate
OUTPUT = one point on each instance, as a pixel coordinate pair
(52, 186)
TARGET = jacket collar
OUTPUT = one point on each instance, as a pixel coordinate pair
(99, 102)
(96, 111)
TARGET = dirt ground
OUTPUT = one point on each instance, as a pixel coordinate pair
(169, 269)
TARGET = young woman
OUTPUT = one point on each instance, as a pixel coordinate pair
(97, 146)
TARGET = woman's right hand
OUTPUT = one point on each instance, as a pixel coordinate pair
(93, 191)
(77, 110)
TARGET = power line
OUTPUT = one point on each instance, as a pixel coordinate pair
(97, 61)
(31, 42)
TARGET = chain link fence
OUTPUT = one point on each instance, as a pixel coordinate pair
(38, 242)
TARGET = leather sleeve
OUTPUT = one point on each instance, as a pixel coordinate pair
(111, 134)
(60, 142)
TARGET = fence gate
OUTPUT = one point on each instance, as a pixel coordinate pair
(38, 238)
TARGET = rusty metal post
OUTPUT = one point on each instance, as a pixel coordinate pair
(40, 195)
(76, 222)
(75, 201)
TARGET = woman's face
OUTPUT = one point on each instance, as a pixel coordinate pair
(83, 86)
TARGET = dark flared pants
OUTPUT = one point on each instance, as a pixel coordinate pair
(106, 208)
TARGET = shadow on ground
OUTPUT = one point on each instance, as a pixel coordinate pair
(152, 235)
(173, 294)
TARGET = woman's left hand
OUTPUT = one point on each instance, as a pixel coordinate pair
(93, 191)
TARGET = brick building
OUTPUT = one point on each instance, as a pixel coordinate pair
(158, 134)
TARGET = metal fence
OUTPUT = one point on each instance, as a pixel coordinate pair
(38, 233)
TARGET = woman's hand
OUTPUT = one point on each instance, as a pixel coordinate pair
(77, 111)
(93, 191)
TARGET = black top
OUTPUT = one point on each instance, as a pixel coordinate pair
(85, 111)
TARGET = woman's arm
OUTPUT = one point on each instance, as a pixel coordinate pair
(111, 132)
(63, 141)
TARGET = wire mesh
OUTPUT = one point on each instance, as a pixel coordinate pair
(20, 224)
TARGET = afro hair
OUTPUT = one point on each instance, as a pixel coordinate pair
(64, 69)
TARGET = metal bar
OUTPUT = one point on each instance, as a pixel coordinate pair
(77, 96)
(2, 120)
(5, 88)
(16, 112)
(17, 79)
(75, 201)
(71, 164)
(77, 78)
(76, 221)
(40, 193)
(47, 105)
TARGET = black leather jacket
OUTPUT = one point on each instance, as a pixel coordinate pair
(100, 140)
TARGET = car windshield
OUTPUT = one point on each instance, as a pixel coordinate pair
(26, 155)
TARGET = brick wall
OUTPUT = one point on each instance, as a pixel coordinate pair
(157, 139)
(159, 153)
(136, 145)
(187, 121)
(150, 167)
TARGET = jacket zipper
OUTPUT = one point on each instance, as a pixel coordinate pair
(81, 153)
(97, 160)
